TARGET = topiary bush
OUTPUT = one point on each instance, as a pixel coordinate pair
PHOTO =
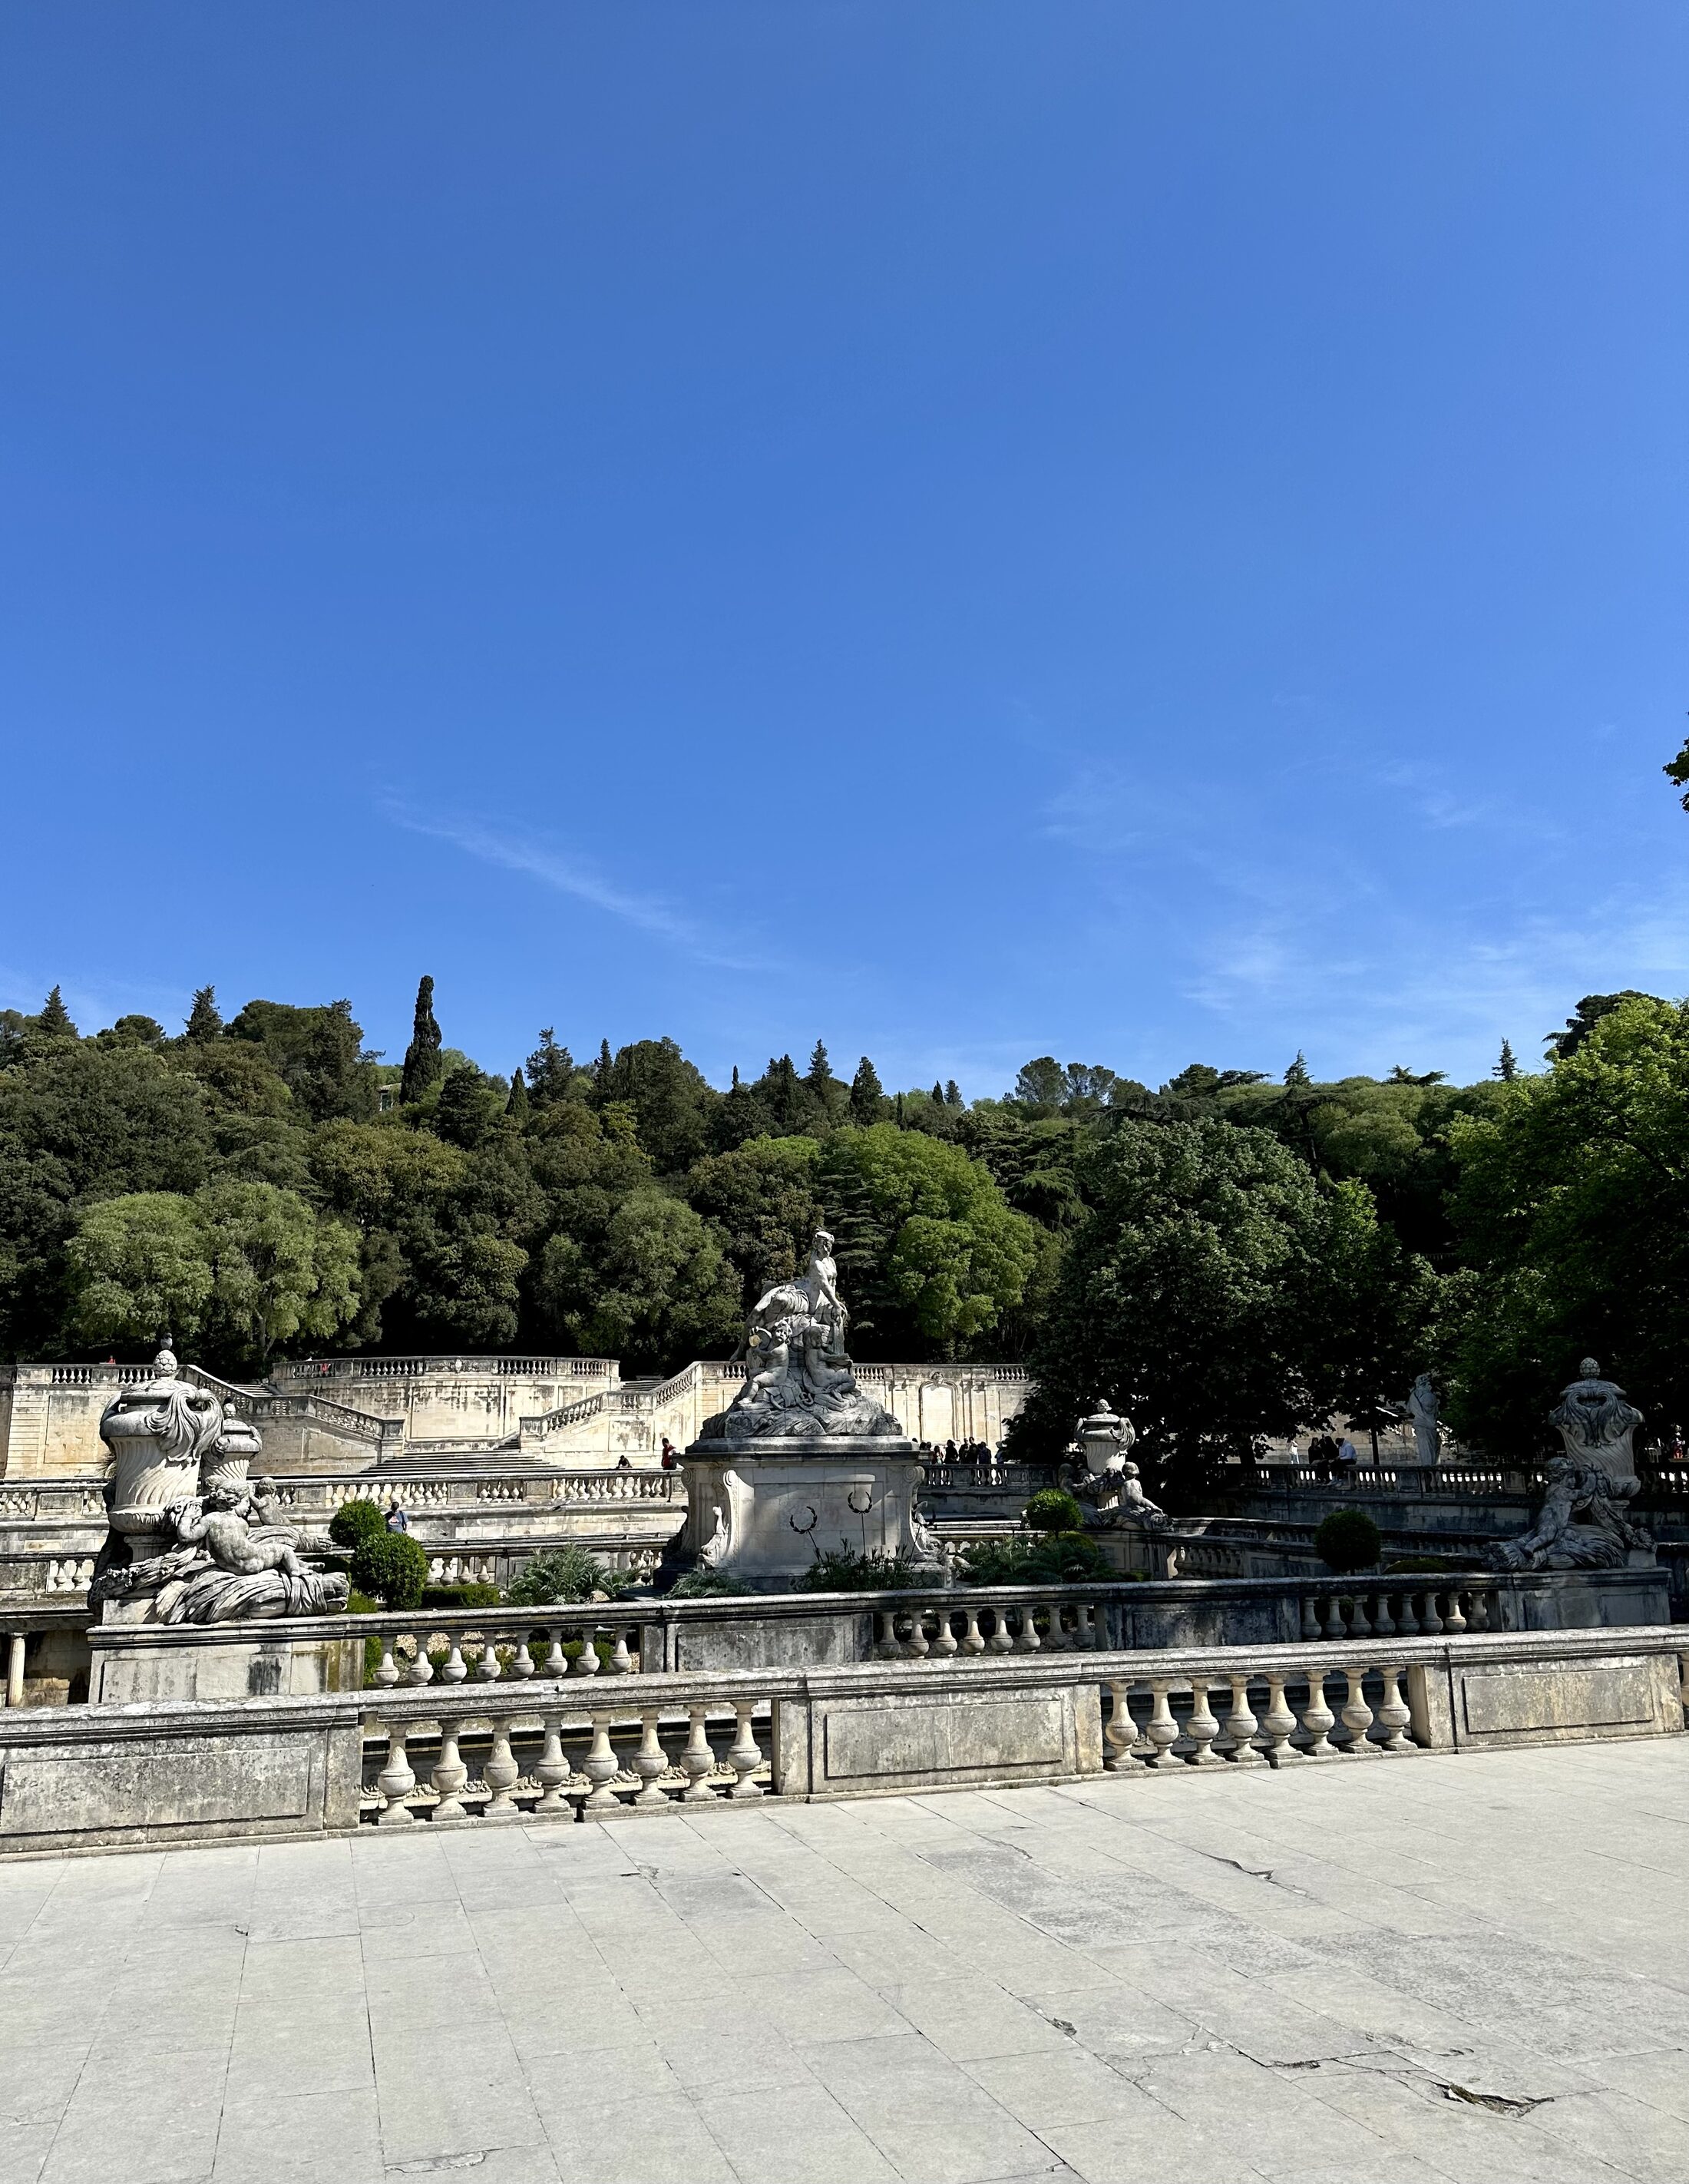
(354, 1521)
(1349, 1541)
(560, 1574)
(1054, 1510)
(391, 1567)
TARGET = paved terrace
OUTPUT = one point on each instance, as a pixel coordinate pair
(1474, 1967)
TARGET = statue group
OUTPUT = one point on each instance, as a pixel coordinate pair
(798, 1381)
(1585, 1522)
(192, 1538)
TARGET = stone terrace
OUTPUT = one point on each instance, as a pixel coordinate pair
(1476, 1969)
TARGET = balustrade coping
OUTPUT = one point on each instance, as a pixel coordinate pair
(531, 1701)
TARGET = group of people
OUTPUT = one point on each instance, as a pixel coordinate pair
(1329, 1457)
(963, 1452)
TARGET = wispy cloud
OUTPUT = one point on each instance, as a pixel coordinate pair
(515, 851)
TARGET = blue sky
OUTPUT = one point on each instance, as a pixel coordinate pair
(966, 530)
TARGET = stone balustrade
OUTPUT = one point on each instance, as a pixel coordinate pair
(551, 1745)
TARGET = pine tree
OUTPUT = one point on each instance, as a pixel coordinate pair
(952, 1093)
(867, 1094)
(1298, 1072)
(423, 1067)
(603, 1075)
(900, 1113)
(937, 1095)
(783, 1090)
(551, 1071)
(1507, 1068)
(819, 1074)
(204, 1023)
(54, 1019)
(516, 1106)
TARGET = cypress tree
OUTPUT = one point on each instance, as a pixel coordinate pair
(867, 1094)
(603, 1074)
(952, 1093)
(55, 1018)
(516, 1106)
(423, 1067)
(204, 1023)
(1507, 1068)
(937, 1095)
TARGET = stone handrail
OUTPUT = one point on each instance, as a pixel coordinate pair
(567, 1414)
(545, 1746)
(413, 1368)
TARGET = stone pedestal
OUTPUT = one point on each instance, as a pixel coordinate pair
(761, 1513)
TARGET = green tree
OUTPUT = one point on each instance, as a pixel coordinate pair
(517, 1105)
(1204, 1297)
(671, 1103)
(1573, 1213)
(318, 1053)
(54, 1020)
(276, 1270)
(423, 1067)
(1507, 1067)
(657, 1289)
(469, 1109)
(140, 1269)
(867, 1095)
(204, 1023)
(957, 1256)
(762, 1199)
(551, 1071)
(1563, 1045)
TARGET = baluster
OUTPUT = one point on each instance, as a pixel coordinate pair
(944, 1644)
(1201, 1727)
(1383, 1623)
(523, 1665)
(1454, 1620)
(1359, 1625)
(448, 1778)
(1356, 1719)
(649, 1762)
(915, 1647)
(551, 1772)
(454, 1671)
(1278, 1723)
(556, 1661)
(621, 1661)
(1161, 1729)
(1027, 1640)
(1001, 1643)
(601, 1768)
(388, 1673)
(1318, 1719)
(1394, 1713)
(1407, 1622)
(395, 1781)
(1240, 1725)
(743, 1755)
(1121, 1734)
(1430, 1621)
(1058, 1638)
(487, 1670)
(697, 1761)
(1310, 1616)
(972, 1642)
(1478, 1604)
(586, 1662)
(422, 1668)
(1334, 1617)
(885, 1645)
(1085, 1626)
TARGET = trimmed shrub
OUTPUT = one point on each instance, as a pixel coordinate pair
(1054, 1510)
(391, 1565)
(1349, 1541)
(461, 1595)
(354, 1521)
(561, 1574)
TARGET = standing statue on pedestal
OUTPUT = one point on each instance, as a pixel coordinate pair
(1585, 1522)
(1421, 1407)
(798, 1384)
(191, 1540)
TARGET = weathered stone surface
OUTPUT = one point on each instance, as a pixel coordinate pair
(1548, 1702)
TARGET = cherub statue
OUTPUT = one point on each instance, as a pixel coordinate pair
(222, 1520)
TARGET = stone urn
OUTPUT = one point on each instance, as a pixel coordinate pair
(227, 1462)
(157, 1432)
(1105, 1440)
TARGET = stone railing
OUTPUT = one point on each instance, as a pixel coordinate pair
(550, 1746)
(559, 1420)
(417, 1368)
(1021, 1478)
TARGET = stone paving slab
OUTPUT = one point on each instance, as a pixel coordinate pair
(1446, 1971)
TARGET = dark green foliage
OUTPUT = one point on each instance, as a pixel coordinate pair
(54, 1020)
(706, 1584)
(1348, 1540)
(391, 1567)
(551, 1071)
(517, 1105)
(318, 1053)
(1055, 1558)
(354, 1521)
(672, 1104)
(763, 1200)
(204, 1023)
(423, 1067)
(562, 1574)
(469, 1109)
(461, 1596)
(868, 1101)
(1054, 1510)
(844, 1570)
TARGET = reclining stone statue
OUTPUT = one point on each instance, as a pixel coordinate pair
(1585, 1521)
